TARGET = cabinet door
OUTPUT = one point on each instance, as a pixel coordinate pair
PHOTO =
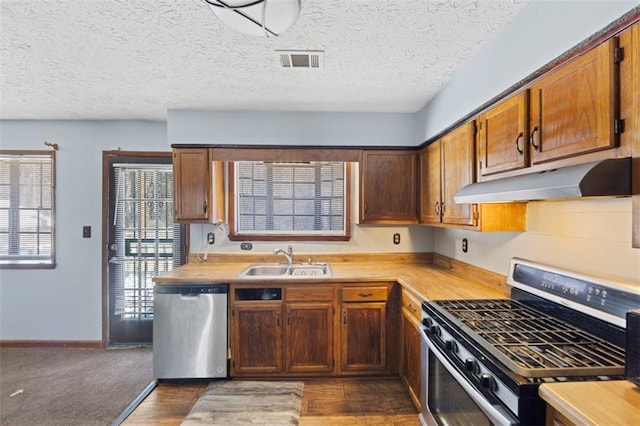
(363, 340)
(502, 141)
(430, 184)
(388, 191)
(309, 337)
(257, 338)
(574, 108)
(457, 171)
(411, 361)
(411, 365)
(192, 184)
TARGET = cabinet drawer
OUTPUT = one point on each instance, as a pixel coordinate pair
(310, 293)
(411, 304)
(364, 294)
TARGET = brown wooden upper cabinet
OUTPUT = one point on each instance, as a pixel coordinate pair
(573, 109)
(198, 186)
(446, 166)
(388, 189)
(503, 136)
(569, 112)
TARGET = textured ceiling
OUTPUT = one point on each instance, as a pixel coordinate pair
(135, 59)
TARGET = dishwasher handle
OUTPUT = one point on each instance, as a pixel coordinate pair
(190, 296)
(188, 290)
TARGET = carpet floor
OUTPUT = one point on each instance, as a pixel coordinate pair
(70, 386)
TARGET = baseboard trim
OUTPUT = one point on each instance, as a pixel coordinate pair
(94, 344)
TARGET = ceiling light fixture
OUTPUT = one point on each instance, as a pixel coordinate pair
(257, 17)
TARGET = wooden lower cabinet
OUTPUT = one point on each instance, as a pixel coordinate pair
(257, 335)
(555, 418)
(411, 363)
(363, 339)
(294, 335)
(309, 337)
(313, 330)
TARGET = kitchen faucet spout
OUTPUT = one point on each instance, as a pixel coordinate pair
(288, 254)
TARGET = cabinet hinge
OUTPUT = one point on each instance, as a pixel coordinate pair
(618, 126)
(618, 55)
(480, 164)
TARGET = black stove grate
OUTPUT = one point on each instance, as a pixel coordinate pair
(532, 343)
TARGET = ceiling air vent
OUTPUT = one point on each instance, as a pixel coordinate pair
(301, 58)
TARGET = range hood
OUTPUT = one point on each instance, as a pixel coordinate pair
(611, 177)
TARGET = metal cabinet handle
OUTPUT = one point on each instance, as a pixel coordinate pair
(344, 317)
(437, 208)
(518, 143)
(365, 294)
(411, 308)
(278, 319)
(532, 140)
(204, 206)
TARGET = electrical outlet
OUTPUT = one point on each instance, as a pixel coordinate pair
(246, 246)
(396, 238)
(86, 231)
(211, 238)
(465, 245)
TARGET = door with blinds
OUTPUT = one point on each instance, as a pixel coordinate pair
(142, 242)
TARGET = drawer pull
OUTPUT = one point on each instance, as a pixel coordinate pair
(365, 294)
(412, 309)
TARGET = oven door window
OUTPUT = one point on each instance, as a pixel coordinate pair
(448, 402)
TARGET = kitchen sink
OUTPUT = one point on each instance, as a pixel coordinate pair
(283, 270)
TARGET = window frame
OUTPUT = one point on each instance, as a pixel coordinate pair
(235, 236)
(21, 262)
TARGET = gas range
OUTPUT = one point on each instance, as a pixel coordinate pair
(558, 326)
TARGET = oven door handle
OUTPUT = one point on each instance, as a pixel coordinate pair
(497, 415)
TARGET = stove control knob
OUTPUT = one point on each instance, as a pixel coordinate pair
(471, 365)
(487, 382)
(435, 330)
(428, 322)
(451, 345)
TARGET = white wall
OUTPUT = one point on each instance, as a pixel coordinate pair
(541, 32)
(591, 236)
(290, 128)
(65, 303)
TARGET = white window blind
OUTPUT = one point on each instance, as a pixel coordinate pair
(27, 187)
(147, 241)
(290, 198)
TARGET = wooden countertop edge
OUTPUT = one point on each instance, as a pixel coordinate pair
(594, 403)
(425, 275)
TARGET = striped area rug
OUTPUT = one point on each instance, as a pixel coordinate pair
(238, 402)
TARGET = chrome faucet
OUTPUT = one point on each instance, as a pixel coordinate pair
(288, 254)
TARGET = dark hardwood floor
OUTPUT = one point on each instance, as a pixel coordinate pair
(332, 401)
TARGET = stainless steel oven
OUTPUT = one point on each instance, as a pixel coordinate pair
(450, 398)
(485, 359)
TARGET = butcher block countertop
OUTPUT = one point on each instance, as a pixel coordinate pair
(428, 276)
(614, 402)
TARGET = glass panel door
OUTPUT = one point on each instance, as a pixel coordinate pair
(143, 242)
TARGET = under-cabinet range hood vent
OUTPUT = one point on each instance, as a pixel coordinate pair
(610, 177)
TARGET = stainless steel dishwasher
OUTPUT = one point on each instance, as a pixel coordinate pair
(190, 331)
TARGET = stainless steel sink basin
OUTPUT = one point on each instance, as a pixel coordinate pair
(265, 270)
(284, 271)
